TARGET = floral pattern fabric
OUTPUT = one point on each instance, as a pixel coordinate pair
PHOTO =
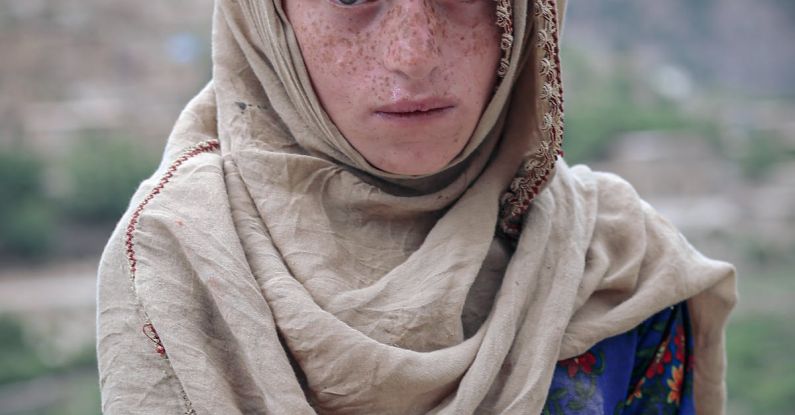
(647, 370)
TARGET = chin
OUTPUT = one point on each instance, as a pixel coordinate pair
(412, 170)
(399, 151)
(413, 162)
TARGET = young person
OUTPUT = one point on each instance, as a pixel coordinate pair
(366, 212)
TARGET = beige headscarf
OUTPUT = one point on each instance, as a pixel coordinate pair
(274, 271)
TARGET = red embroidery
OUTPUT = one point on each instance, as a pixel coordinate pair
(149, 331)
(129, 242)
(130, 236)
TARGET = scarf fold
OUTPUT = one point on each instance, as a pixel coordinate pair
(284, 274)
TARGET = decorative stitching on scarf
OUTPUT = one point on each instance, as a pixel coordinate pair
(537, 168)
(202, 147)
(129, 242)
(505, 22)
(151, 333)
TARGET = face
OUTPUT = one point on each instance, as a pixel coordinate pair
(405, 81)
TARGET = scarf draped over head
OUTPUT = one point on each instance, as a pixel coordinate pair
(274, 270)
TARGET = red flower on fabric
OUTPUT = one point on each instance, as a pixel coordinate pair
(637, 393)
(667, 356)
(680, 355)
(675, 383)
(679, 338)
(662, 356)
(584, 363)
(656, 368)
(679, 342)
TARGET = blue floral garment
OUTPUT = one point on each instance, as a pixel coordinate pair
(647, 370)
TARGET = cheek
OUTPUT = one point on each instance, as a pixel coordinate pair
(341, 64)
(326, 53)
(472, 64)
(479, 48)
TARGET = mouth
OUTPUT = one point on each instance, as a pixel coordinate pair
(413, 114)
(415, 109)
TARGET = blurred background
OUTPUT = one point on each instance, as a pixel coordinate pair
(693, 101)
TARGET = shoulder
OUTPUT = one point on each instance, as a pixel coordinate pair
(190, 181)
(612, 189)
(194, 177)
(177, 169)
(604, 204)
(132, 374)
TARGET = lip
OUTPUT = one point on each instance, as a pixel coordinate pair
(415, 108)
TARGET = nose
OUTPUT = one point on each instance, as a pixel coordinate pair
(412, 47)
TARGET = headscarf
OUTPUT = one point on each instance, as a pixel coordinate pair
(274, 270)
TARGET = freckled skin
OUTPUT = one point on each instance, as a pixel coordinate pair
(375, 53)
